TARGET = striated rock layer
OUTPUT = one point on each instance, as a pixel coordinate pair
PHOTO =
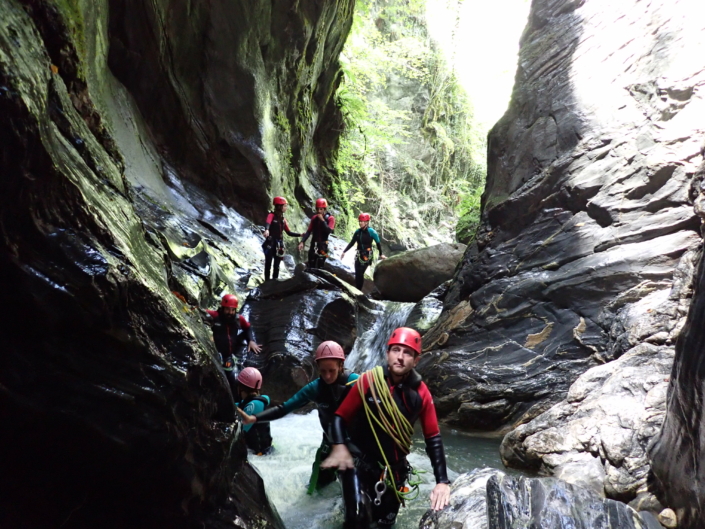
(677, 451)
(115, 410)
(586, 211)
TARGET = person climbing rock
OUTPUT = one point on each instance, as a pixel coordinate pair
(327, 392)
(257, 436)
(230, 331)
(321, 226)
(273, 245)
(375, 423)
(363, 237)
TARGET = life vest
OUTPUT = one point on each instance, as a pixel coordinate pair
(329, 398)
(409, 402)
(258, 438)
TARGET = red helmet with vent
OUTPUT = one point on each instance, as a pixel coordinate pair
(250, 377)
(279, 201)
(406, 336)
(321, 203)
(229, 301)
(329, 349)
(364, 217)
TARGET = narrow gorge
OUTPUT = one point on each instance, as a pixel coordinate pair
(141, 144)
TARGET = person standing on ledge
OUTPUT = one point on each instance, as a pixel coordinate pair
(274, 230)
(363, 237)
(229, 333)
(379, 414)
(327, 392)
(257, 436)
(321, 226)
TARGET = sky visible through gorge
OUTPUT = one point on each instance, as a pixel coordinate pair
(481, 40)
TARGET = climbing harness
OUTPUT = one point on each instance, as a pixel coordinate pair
(392, 422)
(365, 255)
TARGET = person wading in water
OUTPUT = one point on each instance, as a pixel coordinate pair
(363, 237)
(327, 392)
(375, 424)
(274, 230)
(257, 436)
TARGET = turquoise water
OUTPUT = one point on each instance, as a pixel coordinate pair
(296, 438)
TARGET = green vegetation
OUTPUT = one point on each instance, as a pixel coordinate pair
(410, 153)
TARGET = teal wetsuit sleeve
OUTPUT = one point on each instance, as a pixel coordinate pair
(254, 407)
(375, 237)
(353, 377)
(302, 397)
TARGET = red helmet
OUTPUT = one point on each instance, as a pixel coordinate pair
(229, 301)
(364, 217)
(321, 203)
(406, 336)
(279, 201)
(250, 377)
(329, 349)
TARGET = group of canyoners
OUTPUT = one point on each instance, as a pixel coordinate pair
(367, 419)
(319, 228)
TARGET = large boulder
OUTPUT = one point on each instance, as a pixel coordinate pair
(490, 499)
(412, 275)
(587, 198)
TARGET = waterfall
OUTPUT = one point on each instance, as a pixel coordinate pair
(369, 349)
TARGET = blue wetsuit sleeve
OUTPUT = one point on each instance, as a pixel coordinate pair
(353, 377)
(253, 408)
(302, 397)
(375, 237)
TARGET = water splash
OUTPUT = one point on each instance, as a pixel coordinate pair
(369, 348)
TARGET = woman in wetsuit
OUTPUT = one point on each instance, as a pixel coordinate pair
(327, 392)
(274, 230)
(363, 237)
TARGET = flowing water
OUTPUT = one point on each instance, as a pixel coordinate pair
(369, 348)
(287, 470)
(296, 437)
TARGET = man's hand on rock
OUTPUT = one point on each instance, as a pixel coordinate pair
(254, 347)
(266, 233)
(440, 496)
(300, 246)
(382, 257)
(339, 458)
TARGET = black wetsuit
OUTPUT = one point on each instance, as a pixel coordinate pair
(363, 237)
(327, 398)
(258, 436)
(229, 335)
(414, 400)
(273, 246)
(319, 230)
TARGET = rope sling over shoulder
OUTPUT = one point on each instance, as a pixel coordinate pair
(392, 422)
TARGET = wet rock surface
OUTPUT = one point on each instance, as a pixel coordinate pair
(120, 413)
(676, 451)
(587, 198)
(291, 318)
(411, 275)
(598, 436)
(491, 499)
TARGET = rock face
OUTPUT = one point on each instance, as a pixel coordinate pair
(677, 450)
(412, 275)
(586, 210)
(598, 435)
(292, 317)
(121, 416)
(490, 499)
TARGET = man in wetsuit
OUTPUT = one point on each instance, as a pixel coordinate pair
(229, 332)
(363, 258)
(274, 230)
(380, 468)
(322, 224)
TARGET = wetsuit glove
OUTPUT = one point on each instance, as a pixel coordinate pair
(338, 432)
(434, 449)
(271, 414)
